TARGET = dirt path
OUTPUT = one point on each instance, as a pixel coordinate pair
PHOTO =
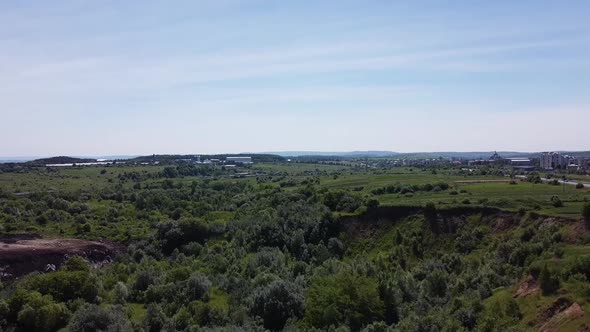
(23, 254)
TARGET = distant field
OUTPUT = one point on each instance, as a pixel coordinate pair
(489, 190)
(295, 168)
(503, 195)
(68, 178)
(402, 175)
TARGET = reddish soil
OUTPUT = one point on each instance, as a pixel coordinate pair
(555, 308)
(572, 312)
(558, 313)
(22, 254)
(528, 287)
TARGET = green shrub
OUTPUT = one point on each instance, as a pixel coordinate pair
(556, 202)
(73, 281)
(581, 265)
(94, 318)
(197, 287)
(120, 293)
(343, 298)
(34, 311)
(278, 302)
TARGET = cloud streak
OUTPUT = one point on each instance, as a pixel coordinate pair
(342, 70)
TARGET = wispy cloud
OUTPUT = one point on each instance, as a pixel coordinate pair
(133, 66)
(116, 74)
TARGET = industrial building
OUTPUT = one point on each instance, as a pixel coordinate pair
(524, 164)
(239, 160)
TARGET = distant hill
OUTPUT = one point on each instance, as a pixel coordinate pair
(60, 160)
(16, 159)
(357, 154)
(165, 158)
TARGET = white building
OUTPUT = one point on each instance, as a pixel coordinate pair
(553, 160)
(239, 160)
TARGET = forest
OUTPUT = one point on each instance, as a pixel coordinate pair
(294, 247)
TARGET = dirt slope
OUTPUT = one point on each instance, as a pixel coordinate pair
(23, 254)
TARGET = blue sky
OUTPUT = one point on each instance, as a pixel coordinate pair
(142, 77)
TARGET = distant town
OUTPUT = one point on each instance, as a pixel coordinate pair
(548, 161)
(545, 161)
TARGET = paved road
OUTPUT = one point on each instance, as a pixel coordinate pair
(570, 182)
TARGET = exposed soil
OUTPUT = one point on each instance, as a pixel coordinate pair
(575, 231)
(504, 222)
(528, 287)
(22, 254)
(558, 313)
(555, 308)
(572, 312)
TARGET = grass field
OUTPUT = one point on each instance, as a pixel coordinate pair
(69, 179)
(477, 189)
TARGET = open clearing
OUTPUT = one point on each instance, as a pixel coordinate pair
(23, 254)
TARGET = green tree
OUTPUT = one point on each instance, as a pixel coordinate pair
(437, 283)
(66, 284)
(197, 287)
(94, 318)
(170, 172)
(548, 281)
(155, 318)
(343, 299)
(76, 263)
(501, 314)
(36, 312)
(278, 302)
(120, 293)
(556, 201)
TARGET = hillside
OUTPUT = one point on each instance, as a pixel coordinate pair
(60, 160)
(261, 158)
(526, 268)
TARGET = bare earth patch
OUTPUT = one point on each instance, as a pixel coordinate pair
(24, 254)
(528, 287)
(574, 232)
(557, 314)
(503, 223)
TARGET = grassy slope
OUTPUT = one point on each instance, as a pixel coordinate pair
(376, 244)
